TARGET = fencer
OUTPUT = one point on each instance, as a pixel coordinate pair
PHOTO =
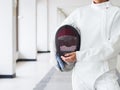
(95, 67)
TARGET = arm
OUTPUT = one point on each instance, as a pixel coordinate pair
(108, 49)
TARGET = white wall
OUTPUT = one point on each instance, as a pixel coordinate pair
(61, 15)
(7, 38)
(27, 29)
(42, 25)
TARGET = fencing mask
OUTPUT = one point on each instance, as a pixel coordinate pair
(67, 40)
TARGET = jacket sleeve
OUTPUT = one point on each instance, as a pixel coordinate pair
(70, 20)
(108, 49)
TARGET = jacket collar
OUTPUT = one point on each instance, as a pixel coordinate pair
(104, 5)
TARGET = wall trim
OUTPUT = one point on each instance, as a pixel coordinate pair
(18, 60)
(8, 76)
(43, 51)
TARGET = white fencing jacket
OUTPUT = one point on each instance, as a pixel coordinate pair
(99, 26)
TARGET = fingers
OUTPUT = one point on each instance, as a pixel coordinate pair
(69, 57)
(68, 54)
(65, 58)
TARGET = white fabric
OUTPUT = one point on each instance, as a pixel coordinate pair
(107, 81)
(99, 26)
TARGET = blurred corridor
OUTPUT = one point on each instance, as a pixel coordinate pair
(26, 27)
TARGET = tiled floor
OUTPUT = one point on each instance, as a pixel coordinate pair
(28, 74)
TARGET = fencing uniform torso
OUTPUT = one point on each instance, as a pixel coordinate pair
(100, 42)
